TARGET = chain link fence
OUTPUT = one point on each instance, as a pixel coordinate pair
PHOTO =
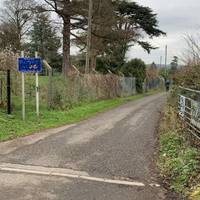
(60, 93)
(154, 83)
(85, 88)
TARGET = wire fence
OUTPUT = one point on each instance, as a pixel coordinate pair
(60, 93)
(57, 92)
(154, 83)
(189, 110)
(85, 88)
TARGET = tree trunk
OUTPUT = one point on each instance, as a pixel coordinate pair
(19, 33)
(18, 40)
(93, 61)
(66, 45)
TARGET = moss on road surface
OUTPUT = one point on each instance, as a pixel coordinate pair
(13, 126)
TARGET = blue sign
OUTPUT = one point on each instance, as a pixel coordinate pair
(29, 65)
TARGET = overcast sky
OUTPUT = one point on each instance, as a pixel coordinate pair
(176, 18)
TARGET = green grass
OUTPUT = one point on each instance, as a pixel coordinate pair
(178, 160)
(13, 126)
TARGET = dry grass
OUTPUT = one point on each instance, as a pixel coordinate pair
(65, 93)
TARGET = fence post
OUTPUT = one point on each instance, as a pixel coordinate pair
(49, 95)
(50, 88)
(1, 91)
(8, 93)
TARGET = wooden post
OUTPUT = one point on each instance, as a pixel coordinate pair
(37, 90)
(1, 91)
(23, 91)
(49, 99)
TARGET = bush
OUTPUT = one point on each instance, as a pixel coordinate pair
(137, 69)
(188, 76)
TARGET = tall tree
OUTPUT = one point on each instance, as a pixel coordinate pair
(18, 14)
(134, 23)
(118, 25)
(102, 28)
(71, 13)
(111, 38)
(103, 20)
(8, 36)
(44, 38)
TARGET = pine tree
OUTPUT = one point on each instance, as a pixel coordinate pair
(44, 39)
(174, 64)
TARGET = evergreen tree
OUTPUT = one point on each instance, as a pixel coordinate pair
(174, 64)
(134, 24)
(118, 25)
(44, 39)
(71, 13)
(135, 68)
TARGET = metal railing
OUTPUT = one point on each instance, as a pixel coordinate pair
(189, 109)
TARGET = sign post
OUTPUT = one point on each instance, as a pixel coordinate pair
(37, 90)
(23, 91)
(33, 65)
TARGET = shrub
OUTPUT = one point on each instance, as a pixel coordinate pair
(137, 69)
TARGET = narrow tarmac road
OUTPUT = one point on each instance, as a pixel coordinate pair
(107, 157)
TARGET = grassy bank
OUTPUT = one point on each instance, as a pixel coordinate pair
(13, 126)
(178, 158)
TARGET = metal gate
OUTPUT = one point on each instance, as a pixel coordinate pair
(189, 109)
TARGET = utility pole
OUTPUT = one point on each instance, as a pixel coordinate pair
(166, 57)
(89, 37)
(160, 61)
(166, 54)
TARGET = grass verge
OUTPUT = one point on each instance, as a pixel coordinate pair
(178, 159)
(13, 126)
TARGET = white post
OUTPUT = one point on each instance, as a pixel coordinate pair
(37, 90)
(23, 91)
